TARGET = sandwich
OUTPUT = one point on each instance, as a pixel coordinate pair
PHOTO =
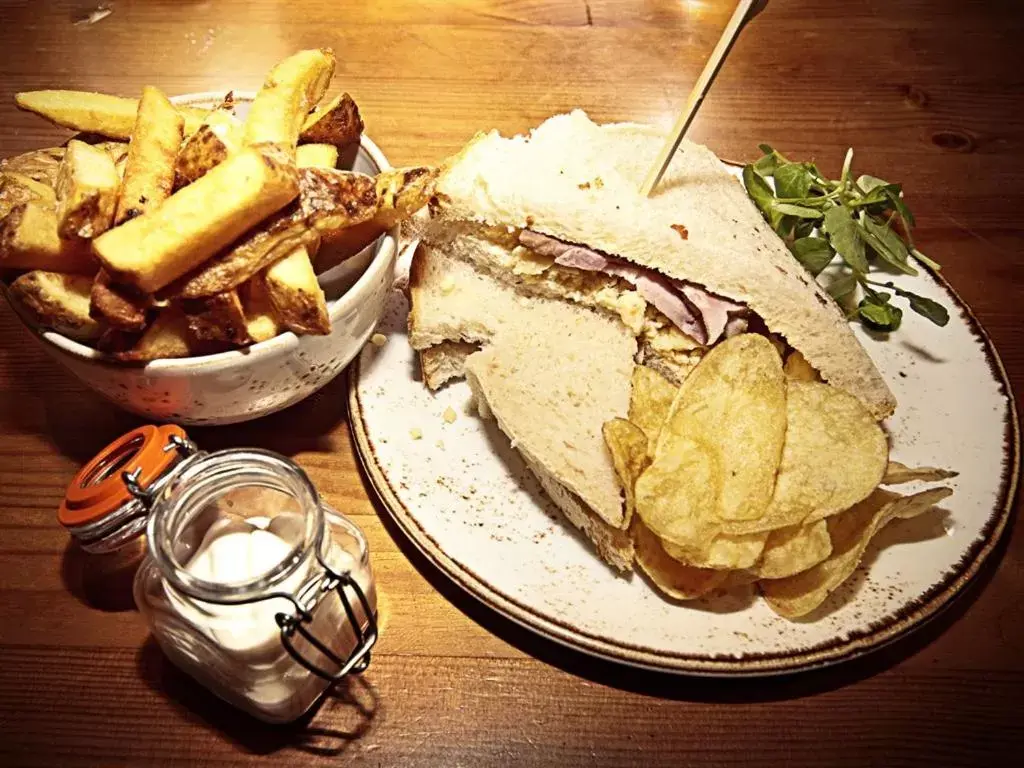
(544, 277)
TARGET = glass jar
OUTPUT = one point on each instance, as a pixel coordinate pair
(251, 584)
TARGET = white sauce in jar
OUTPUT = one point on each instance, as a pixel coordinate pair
(246, 654)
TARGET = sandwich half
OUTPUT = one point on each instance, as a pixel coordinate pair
(550, 393)
(524, 224)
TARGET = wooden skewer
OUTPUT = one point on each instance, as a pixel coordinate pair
(745, 11)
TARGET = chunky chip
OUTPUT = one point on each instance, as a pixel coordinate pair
(217, 318)
(86, 191)
(260, 322)
(40, 165)
(650, 402)
(678, 581)
(290, 91)
(218, 137)
(295, 294)
(58, 301)
(120, 306)
(336, 123)
(29, 240)
(149, 168)
(400, 193)
(716, 457)
(850, 533)
(834, 456)
(897, 473)
(17, 188)
(789, 551)
(316, 156)
(627, 445)
(112, 116)
(329, 200)
(168, 336)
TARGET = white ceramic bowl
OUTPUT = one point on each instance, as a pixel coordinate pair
(245, 384)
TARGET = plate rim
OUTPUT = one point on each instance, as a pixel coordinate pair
(906, 620)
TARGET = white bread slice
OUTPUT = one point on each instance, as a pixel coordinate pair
(578, 181)
(452, 301)
(550, 392)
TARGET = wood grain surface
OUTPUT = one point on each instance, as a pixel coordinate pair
(928, 91)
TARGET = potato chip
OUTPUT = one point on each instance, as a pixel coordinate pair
(650, 401)
(737, 579)
(897, 473)
(627, 444)
(850, 533)
(796, 548)
(717, 454)
(725, 552)
(834, 456)
(682, 582)
(798, 369)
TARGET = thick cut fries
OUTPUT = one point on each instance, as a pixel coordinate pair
(149, 170)
(400, 193)
(198, 220)
(299, 303)
(168, 336)
(181, 234)
(40, 165)
(316, 156)
(17, 188)
(337, 123)
(111, 116)
(87, 185)
(217, 318)
(260, 322)
(29, 240)
(217, 138)
(290, 91)
(329, 200)
(121, 306)
(290, 283)
(58, 301)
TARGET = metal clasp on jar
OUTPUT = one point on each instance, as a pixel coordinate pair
(297, 622)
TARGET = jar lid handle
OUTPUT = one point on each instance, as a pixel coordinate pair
(99, 489)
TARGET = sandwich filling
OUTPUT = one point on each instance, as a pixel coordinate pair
(697, 313)
(675, 321)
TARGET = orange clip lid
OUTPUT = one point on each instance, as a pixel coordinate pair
(97, 489)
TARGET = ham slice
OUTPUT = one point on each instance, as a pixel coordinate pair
(700, 315)
(714, 310)
(658, 291)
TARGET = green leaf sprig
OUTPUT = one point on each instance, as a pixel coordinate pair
(855, 219)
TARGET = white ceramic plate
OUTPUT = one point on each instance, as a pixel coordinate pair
(467, 501)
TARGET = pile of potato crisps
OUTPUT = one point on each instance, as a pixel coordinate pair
(202, 232)
(753, 471)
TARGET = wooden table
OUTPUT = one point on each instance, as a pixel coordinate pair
(928, 91)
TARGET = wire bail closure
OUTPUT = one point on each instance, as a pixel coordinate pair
(359, 659)
(296, 622)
